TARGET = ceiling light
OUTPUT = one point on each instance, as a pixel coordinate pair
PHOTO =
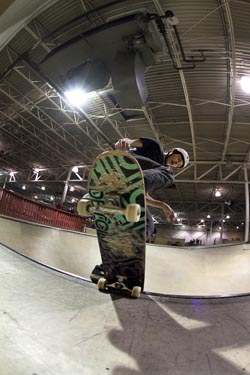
(43, 188)
(12, 176)
(77, 97)
(75, 169)
(71, 188)
(228, 217)
(24, 187)
(208, 216)
(51, 198)
(245, 84)
(217, 193)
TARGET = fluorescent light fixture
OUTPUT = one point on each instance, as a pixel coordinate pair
(245, 84)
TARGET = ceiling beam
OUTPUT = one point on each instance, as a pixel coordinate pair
(230, 42)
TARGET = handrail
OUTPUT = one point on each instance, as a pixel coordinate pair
(19, 207)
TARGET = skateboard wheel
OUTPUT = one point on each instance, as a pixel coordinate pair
(136, 292)
(83, 207)
(102, 283)
(133, 212)
(173, 21)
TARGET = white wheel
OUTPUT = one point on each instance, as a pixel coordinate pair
(136, 292)
(173, 21)
(83, 207)
(102, 283)
(133, 212)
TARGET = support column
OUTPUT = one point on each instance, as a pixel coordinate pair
(211, 231)
(247, 204)
(222, 224)
(66, 186)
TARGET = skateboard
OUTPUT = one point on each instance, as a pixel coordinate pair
(117, 202)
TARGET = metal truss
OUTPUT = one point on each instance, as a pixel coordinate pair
(195, 213)
(224, 175)
(231, 50)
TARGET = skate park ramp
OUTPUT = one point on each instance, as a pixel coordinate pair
(199, 272)
(54, 324)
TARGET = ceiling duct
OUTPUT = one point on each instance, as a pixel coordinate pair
(120, 49)
(128, 80)
(91, 75)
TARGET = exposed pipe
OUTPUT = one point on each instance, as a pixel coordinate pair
(169, 15)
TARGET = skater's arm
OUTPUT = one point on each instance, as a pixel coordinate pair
(126, 143)
(168, 211)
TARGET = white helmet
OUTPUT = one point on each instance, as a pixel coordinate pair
(182, 152)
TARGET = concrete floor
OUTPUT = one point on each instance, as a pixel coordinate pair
(52, 324)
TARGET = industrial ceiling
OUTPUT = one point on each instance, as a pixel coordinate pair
(169, 70)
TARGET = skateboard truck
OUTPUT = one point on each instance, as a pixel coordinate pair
(132, 212)
(103, 284)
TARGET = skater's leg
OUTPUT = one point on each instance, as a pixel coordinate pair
(149, 224)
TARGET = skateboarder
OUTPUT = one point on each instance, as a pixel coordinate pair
(157, 174)
(156, 170)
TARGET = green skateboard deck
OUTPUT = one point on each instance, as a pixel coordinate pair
(117, 195)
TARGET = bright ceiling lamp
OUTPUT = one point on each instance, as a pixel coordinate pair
(78, 97)
(245, 84)
(217, 193)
